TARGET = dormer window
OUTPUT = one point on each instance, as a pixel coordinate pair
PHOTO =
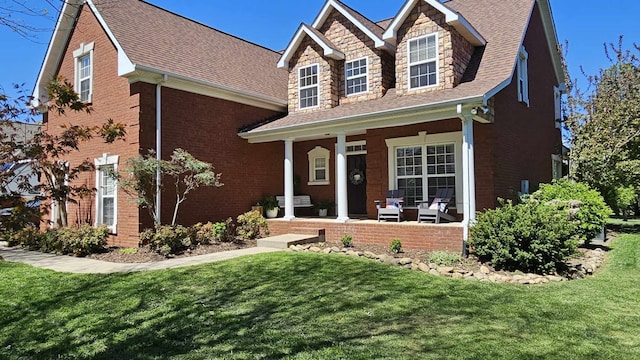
(423, 61)
(84, 71)
(308, 86)
(523, 76)
(356, 76)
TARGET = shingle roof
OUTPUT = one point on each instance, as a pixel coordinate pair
(159, 39)
(502, 23)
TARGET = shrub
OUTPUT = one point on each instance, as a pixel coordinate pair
(347, 240)
(252, 225)
(75, 240)
(530, 237)
(444, 258)
(21, 216)
(396, 246)
(211, 233)
(592, 211)
(167, 240)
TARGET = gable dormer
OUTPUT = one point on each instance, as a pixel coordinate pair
(434, 46)
(340, 59)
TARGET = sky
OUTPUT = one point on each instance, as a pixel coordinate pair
(585, 24)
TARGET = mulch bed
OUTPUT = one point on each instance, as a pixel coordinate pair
(144, 254)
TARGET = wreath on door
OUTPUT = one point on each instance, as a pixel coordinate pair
(356, 176)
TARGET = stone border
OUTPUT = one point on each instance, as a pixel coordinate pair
(578, 267)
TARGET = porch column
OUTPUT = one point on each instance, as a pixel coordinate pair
(288, 180)
(341, 178)
(468, 175)
(472, 172)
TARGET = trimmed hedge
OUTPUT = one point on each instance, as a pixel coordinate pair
(75, 240)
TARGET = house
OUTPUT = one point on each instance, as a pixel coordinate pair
(18, 173)
(457, 93)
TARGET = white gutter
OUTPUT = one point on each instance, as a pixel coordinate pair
(165, 77)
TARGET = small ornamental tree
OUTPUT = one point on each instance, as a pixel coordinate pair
(186, 173)
(46, 152)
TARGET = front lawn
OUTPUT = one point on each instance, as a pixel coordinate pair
(311, 306)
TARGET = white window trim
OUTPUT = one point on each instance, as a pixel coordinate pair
(104, 161)
(409, 64)
(523, 76)
(83, 50)
(300, 88)
(557, 104)
(424, 139)
(319, 152)
(366, 77)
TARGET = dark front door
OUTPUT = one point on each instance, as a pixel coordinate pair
(357, 184)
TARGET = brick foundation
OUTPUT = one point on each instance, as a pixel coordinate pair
(446, 237)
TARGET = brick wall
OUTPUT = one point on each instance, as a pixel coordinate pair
(112, 99)
(525, 137)
(454, 52)
(443, 237)
(207, 128)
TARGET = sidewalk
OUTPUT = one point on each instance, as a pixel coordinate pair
(77, 265)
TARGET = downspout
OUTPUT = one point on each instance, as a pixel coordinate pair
(165, 77)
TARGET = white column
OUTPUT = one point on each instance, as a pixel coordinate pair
(472, 172)
(288, 180)
(465, 173)
(341, 178)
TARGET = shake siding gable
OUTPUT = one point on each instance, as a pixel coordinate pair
(112, 99)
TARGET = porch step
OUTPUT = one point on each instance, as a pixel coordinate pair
(284, 241)
(320, 232)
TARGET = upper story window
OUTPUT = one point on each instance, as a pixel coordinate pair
(423, 61)
(523, 76)
(356, 76)
(84, 71)
(308, 86)
(557, 104)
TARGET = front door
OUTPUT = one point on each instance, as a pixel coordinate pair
(357, 184)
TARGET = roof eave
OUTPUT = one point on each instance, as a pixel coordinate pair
(379, 119)
(328, 49)
(552, 40)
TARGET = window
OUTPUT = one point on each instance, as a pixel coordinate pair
(107, 192)
(423, 62)
(557, 167)
(420, 165)
(319, 166)
(557, 101)
(356, 76)
(84, 71)
(308, 86)
(523, 76)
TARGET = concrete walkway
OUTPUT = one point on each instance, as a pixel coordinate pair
(77, 265)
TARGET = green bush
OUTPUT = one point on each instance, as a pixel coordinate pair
(252, 225)
(592, 213)
(167, 240)
(75, 240)
(22, 216)
(347, 240)
(531, 237)
(395, 246)
(444, 258)
(211, 233)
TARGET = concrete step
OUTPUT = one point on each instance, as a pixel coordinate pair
(284, 241)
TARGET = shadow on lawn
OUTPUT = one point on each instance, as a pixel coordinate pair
(268, 306)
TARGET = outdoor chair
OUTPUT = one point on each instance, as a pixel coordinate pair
(438, 208)
(392, 209)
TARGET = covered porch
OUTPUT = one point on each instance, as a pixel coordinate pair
(376, 139)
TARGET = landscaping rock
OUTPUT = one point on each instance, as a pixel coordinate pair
(457, 275)
(351, 253)
(315, 249)
(445, 269)
(369, 255)
(485, 270)
(424, 267)
(335, 249)
(434, 272)
(327, 251)
(387, 259)
(405, 261)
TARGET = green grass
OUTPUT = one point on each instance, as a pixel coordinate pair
(310, 306)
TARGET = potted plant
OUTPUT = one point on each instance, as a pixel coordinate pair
(270, 206)
(323, 207)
